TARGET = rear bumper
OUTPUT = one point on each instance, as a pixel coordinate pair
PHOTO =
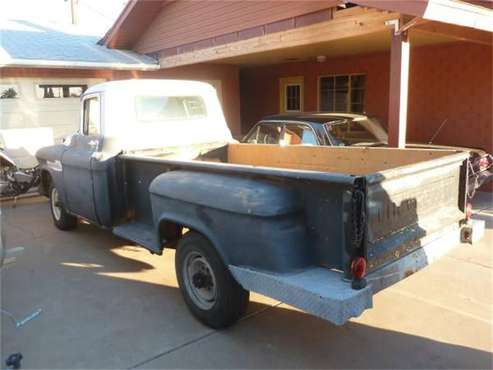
(324, 293)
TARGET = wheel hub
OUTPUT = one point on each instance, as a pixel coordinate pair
(201, 280)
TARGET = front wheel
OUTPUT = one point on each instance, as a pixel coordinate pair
(61, 219)
(210, 291)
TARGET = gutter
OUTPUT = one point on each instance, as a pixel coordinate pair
(41, 63)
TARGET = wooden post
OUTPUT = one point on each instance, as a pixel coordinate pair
(398, 90)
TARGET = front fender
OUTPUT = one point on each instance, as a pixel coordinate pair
(50, 164)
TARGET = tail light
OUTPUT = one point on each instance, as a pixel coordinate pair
(358, 268)
(484, 163)
(468, 211)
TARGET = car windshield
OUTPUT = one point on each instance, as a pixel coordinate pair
(354, 132)
(281, 133)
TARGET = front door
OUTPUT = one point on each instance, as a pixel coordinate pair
(77, 160)
(291, 94)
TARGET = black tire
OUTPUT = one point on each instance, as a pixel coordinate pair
(230, 299)
(62, 220)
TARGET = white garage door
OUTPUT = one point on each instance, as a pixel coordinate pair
(42, 102)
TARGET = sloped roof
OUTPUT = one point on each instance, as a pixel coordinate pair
(28, 43)
(137, 15)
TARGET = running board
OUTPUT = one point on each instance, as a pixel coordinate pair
(141, 234)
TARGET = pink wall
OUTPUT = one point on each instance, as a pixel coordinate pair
(451, 81)
(260, 86)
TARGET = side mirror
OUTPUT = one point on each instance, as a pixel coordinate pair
(67, 140)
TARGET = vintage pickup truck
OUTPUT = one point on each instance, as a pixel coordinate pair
(320, 228)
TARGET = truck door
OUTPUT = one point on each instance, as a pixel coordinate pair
(77, 160)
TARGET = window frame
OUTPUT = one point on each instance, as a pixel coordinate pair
(286, 86)
(349, 100)
(42, 85)
(15, 87)
(83, 116)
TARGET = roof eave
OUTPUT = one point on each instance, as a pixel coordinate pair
(454, 12)
(40, 63)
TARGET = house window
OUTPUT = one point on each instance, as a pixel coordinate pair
(293, 98)
(9, 91)
(58, 91)
(342, 93)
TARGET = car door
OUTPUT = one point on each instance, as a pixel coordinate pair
(77, 160)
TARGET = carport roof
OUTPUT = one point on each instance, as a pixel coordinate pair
(25, 43)
(477, 14)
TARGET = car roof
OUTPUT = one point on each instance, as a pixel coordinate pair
(312, 117)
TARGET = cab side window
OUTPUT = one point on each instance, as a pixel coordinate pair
(92, 117)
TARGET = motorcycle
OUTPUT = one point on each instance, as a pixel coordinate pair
(15, 181)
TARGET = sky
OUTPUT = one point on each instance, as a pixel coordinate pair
(94, 15)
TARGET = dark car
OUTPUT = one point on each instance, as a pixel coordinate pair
(348, 129)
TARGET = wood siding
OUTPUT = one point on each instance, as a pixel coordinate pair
(186, 22)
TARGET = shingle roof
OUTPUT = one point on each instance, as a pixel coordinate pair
(28, 43)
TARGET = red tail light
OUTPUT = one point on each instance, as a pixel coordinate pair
(484, 163)
(468, 211)
(358, 268)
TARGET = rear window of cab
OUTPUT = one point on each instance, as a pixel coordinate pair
(169, 108)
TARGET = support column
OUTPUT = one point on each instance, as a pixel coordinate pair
(398, 90)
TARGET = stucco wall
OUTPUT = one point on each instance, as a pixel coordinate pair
(451, 82)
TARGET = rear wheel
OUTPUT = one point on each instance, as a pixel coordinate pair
(210, 291)
(61, 219)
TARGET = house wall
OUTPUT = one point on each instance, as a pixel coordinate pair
(224, 78)
(189, 22)
(452, 82)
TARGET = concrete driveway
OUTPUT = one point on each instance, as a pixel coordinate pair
(109, 304)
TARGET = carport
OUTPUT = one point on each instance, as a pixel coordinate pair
(427, 63)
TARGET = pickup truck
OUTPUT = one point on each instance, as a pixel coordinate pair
(320, 228)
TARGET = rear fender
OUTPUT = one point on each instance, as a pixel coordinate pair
(251, 222)
(191, 224)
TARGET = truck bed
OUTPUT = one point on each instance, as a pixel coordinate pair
(391, 206)
(408, 194)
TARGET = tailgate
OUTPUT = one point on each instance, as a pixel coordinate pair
(406, 204)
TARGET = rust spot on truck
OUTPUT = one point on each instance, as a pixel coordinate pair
(409, 273)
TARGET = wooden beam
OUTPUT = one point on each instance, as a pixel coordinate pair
(456, 32)
(398, 90)
(336, 29)
(412, 23)
(457, 12)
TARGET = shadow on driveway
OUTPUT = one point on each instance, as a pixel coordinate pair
(108, 304)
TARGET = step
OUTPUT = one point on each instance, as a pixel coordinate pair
(140, 233)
